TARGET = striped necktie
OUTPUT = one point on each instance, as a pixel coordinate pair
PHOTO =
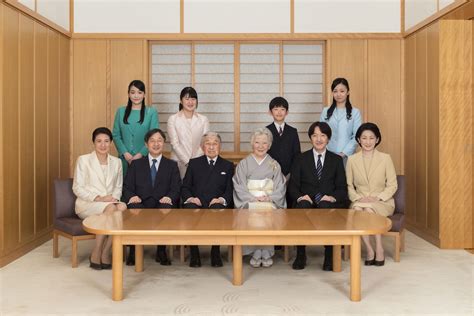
(319, 172)
(153, 171)
(280, 131)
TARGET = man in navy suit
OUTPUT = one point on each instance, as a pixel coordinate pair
(318, 180)
(152, 181)
(208, 184)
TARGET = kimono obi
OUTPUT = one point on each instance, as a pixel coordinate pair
(259, 188)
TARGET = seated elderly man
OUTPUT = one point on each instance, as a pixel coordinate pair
(208, 184)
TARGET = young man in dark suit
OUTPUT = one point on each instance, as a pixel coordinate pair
(286, 143)
(318, 180)
(208, 184)
(152, 181)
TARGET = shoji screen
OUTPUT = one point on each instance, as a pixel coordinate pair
(235, 82)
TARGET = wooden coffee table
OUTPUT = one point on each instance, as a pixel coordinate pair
(237, 227)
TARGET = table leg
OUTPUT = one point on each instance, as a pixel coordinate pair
(336, 258)
(355, 269)
(138, 258)
(237, 263)
(117, 268)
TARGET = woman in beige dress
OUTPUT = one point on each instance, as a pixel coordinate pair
(372, 182)
(98, 186)
(185, 130)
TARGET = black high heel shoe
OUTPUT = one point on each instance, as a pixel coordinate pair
(379, 263)
(370, 262)
(93, 265)
(106, 266)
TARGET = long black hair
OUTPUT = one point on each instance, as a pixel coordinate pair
(331, 109)
(140, 86)
(189, 92)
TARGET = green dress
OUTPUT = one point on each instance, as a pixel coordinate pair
(130, 137)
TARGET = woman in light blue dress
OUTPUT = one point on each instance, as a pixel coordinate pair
(343, 119)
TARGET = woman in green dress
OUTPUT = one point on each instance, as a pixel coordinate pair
(131, 124)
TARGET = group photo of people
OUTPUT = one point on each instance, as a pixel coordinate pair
(343, 169)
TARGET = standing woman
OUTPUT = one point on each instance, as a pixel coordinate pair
(371, 182)
(343, 119)
(98, 186)
(185, 130)
(131, 124)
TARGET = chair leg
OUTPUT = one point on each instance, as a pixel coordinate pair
(286, 253)
(347, 250)
(55, 245)
(402, 240)
(182, 255)
(170, 252)
(229, 253)
(74, 252)
(397, 248)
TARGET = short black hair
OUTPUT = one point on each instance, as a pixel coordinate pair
(189, 92)
(152, 132)
(101, 130)
(369, 127)
(323, 127)
(278, 102)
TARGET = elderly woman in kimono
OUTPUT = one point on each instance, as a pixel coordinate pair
(259, 184)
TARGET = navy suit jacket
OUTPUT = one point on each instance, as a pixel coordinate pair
(206, 184)
(138, 180)
(304, 180)
(285, 148)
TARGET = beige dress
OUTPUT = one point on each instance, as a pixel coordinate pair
(372, 176)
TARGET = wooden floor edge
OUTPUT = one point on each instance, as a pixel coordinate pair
(24, 249)
(423, 234)
(471, 251)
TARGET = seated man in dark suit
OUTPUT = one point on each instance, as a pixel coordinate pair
(208, 184)
(152, 181)
(318, 180)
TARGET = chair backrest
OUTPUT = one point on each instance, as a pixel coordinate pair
(64, 198)
(400, 196)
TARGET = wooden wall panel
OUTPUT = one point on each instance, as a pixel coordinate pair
(26, 133)
(41, 127)
(2, 213)
(90, 92)
(384, 106)
(410, 127)
(10, 128)
(53, 117)
(126, 64)
(64, 109)
(433, 129)
(456, 125)
(352, 66)
(421, 127)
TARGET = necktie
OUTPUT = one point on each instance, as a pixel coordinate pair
(153, 171)
(319, 172)
(211, 164)
(280, 131)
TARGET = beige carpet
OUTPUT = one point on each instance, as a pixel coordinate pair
(427, 281)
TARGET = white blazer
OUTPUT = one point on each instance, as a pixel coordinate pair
(185, 137)
(90, 181)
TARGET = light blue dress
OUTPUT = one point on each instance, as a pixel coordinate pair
(343, 130)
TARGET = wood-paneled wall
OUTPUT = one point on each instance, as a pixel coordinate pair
(34, 131)
(374, 71)
(438, 122)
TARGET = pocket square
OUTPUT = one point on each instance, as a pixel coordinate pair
(223, 173)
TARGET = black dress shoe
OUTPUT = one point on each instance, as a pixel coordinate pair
(131, 256)
(370, 262)
(327, 265)
(299, 263)
(162, 258)
(106, 266)
(216, 261)
(93, 265)
(195, 262)
(379, 263)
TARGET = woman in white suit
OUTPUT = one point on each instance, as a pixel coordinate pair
(372, 182)
(98, 187)
(185, 130)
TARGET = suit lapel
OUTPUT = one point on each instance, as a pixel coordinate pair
(313, 165)
(359, 165)
(95, 164)
(376, 161)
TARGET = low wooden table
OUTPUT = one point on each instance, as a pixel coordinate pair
(236, 227)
